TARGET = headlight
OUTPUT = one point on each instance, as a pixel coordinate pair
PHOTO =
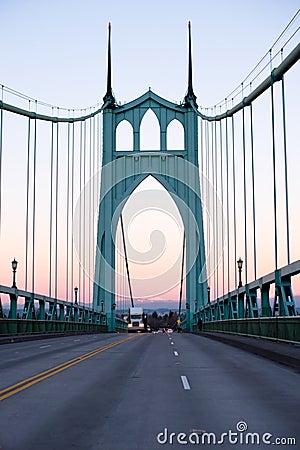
(141, 325)
(130, 325)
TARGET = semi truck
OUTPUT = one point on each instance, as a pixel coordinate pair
(136, 319)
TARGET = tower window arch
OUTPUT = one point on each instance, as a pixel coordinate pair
(124, 136)
(175, 135)
(149, 132)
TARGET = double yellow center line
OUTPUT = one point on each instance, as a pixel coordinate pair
(18, 387)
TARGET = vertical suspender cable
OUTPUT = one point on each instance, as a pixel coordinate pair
(126, 260)
(68, 214)
(274, 172)
(245, 194)
(80, 215)
(1, 140)
(207, 199)
(234, 201)
(94, 198)
(84, 211)
(213, 208)
(27, 203)
(181, 275)
(51, 208)
(216, 212)
(201, 143)
(33, 209)
(90, 210)
(72, 207)
(222, 201)
(253, 195)
(285, 175)
(56, 214)
(227, 203)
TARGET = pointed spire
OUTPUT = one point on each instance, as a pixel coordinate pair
(109, 97)
(190, 96)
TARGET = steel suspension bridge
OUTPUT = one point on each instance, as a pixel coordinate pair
(231, 176)
(58, 177)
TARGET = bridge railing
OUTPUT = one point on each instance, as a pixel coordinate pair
(278, 328)
(239, 311)
(53, 315)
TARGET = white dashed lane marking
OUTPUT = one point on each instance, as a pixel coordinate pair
(185, 383)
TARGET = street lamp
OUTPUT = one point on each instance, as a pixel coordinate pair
(14, 265)
(76, 294)
(208, 294)
(196, 305)
(240, 266)
(102, 306)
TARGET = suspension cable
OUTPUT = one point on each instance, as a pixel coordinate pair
(285, 174)
(84, 211)
(34, 207)
(72, 207)
(56, 215)
(212, 207)
(274, 176)
(126, 260)
(27, 205)
(222, 200)
(216, 239)
(80, 213)
(51, 208)
(253, 195)
(245, 196)
(227, 204)
(181, 275)
(234, 198)
(68, 214)
(89, 210)
(1, 139)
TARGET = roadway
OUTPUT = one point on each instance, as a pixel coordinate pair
(118, 392)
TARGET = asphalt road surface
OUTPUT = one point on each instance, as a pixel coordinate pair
(143, 392)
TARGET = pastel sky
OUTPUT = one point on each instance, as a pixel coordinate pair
(56, 52)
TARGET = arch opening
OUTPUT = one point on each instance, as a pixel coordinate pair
(124, 136)
(175, 135)
(154, 233)
(149, 132)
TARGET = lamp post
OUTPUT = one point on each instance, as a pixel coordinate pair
(208, 294)
(240, 266)
(14, 265)
(76, 294)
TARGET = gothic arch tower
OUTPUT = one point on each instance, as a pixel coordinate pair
(123, 171)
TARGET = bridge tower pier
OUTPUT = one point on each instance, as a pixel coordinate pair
(122, 172)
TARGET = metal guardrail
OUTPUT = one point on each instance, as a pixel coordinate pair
(276, 328)
(19, 326)
(243, 302)
(53, 315)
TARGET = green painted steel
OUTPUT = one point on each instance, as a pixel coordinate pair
(278, 328)
(27, 326)
(244, 302)
(53, 315)
(122, 174)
